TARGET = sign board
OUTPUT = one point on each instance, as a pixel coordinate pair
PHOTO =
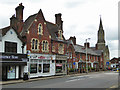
(13, 57)
(107, 63)
(74, 63)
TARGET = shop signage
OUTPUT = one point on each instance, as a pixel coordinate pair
(8, 57)
(60, 65)
(15, 57)
(73, 63)
(107, 63)
(41, 57)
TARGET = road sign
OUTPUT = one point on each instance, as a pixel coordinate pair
(74, 63)
(107, 63)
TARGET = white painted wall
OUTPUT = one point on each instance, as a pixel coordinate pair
(17, 72)
(52, 68)
(12, 37)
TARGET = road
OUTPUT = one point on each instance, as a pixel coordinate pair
(93, 80)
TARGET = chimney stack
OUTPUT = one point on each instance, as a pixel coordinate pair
(88, 44)
(58, 21)
(73, 40)
(19, 12)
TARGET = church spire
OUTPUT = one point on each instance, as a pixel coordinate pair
(101, 39)
(100, 25)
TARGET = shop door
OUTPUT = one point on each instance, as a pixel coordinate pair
(19, 72)
(4, 73)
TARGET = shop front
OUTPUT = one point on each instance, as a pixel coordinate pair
(89, 66)
(13, 65)
(81, 66)
(61, 65)
(96, 66)
(41, 65)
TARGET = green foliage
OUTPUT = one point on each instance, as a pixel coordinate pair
(71, 70)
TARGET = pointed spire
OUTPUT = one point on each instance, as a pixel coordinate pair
(41, 13)
(100, 26)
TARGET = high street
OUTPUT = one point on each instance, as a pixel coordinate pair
(93, 80)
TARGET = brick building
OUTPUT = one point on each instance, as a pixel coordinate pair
(49, 52)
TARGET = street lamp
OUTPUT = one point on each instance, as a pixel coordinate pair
(86, 55)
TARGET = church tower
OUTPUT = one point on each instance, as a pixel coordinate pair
(101, 37)
(102, 46)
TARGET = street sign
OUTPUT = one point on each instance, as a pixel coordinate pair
(74, 63)
(107, 63)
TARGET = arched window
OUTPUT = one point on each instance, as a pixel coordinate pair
(40, 29)
(45, 46)
(60, 34)
(46, 43)
(35, 44)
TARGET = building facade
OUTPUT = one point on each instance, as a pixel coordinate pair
(11, 54)
(101, 45)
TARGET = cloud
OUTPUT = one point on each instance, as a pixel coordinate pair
(73, 4)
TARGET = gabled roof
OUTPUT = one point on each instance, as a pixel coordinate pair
(53, 30)
(6, 29)
(82, 49)
(28, 23)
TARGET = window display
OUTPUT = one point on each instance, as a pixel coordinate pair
(46, 68)
(11, 72)
(33, 68)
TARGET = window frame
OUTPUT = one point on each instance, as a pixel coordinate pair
(40, 29)
(34, 45)
(45, 46)
(10, 47)
(61, 48)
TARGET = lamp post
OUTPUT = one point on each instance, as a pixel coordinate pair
(86, 55)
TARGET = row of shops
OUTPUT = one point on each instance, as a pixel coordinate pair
(37, 65)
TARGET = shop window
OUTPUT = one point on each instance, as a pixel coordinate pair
(33, 68)
(46, 68)
(60, 61)
(58, 68)
(11, 72)
(39, 68)
(10, 47)
(56, 61)
(52, 61)
(40, 29)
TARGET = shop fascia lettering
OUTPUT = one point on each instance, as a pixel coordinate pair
(8, 57)
(50, 57)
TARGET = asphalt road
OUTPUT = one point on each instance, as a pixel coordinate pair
(94, 80)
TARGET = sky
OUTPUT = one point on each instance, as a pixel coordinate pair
(81, 18)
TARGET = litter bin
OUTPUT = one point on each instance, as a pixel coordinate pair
(25, 76)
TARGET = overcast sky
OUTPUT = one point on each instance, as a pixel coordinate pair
(81, 18)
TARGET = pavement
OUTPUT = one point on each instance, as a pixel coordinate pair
(44, 78)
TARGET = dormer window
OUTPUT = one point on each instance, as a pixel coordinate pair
(40, 29)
